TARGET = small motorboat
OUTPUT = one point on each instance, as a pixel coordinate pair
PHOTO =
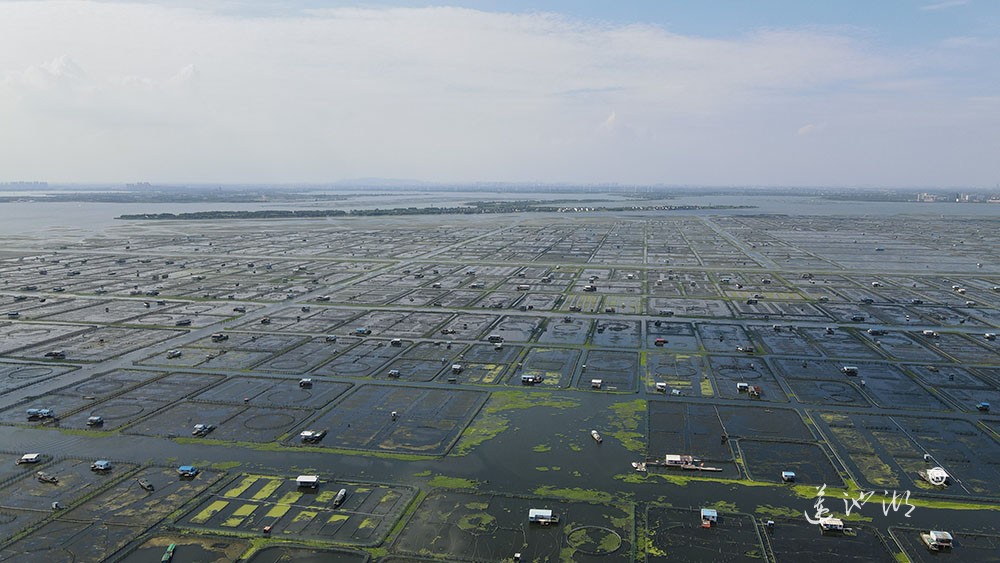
(339, 499)
(936, 540)
(596, 436)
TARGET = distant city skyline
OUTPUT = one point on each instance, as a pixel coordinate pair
(847, 93)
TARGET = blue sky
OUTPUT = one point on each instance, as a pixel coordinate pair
(896, 22)
(836, 93)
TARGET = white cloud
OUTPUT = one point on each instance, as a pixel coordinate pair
(610, 122)
(946, 4)
(185, 77)
(126, 92)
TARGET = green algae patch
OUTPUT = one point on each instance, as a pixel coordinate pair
(740, 464)
(706, 388)
(594, 540)
(477, 522)
(493, 419)
(290, 498)
(246, 510)
(443, 482)
(206, 514)
(368, 524)
(542, 448)
(586, 495)
(633, 478)
(771, 512)
(424, 473)
(278, 510)
(876, 471)
(519, 400)
(238, 490)
(624, 522)
(326, 496)
(943, 504)
(626, 422)
(225, 465)
(276, 447)
(610, 543)
(268, 489)
(646, 546)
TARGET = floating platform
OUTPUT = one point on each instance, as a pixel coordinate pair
(682, 462)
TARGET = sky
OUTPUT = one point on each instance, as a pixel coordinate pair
(852, 93)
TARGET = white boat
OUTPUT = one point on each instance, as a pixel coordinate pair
(936, 540)
(597, 437)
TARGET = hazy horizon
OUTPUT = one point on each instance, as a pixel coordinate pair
(416, 185)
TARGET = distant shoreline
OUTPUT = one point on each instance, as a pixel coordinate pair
(476, 210)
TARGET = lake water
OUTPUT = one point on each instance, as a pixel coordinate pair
(79, 219)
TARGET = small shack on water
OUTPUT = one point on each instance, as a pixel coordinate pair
(543, 516)
(307, 481)
(831, 525)
(709, 516)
